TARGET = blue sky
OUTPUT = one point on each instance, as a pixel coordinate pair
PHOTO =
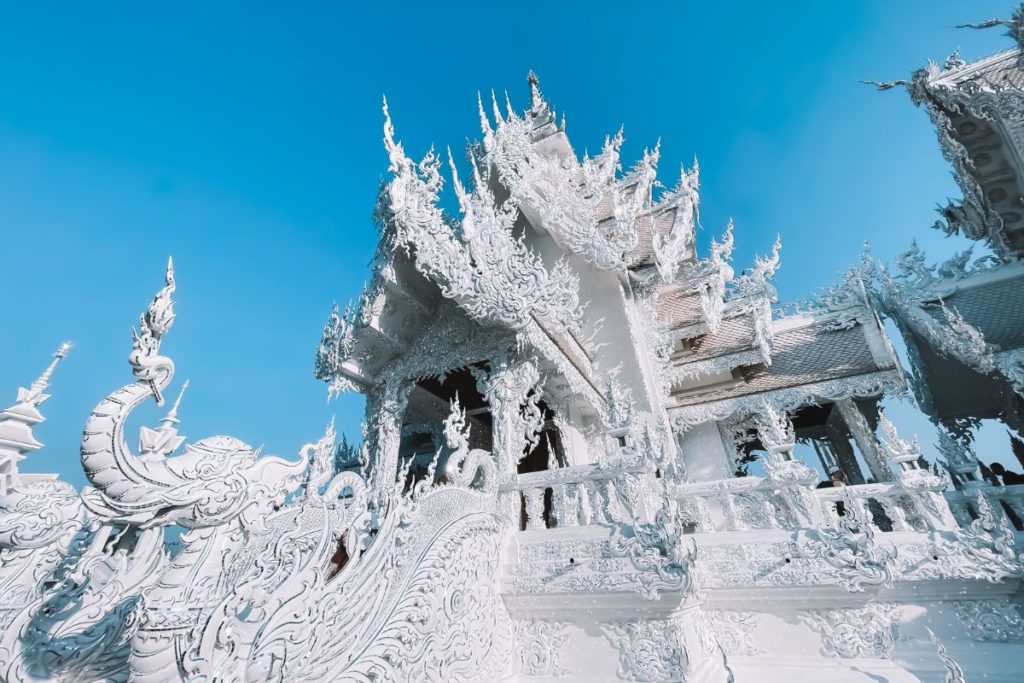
(245, 139)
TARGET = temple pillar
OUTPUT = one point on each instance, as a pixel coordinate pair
(704, 454)
(574, 443)
(839, 441)
(865, 438)
(385, 407)
(793, 477)
(516, 419)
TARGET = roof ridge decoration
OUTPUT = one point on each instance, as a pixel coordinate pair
(843, 304)
(493, 275)
(757, 280)
(567, 196)
(1014, 25)
(925, 281)
(672, 249)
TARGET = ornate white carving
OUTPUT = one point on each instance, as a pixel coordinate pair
(859, 386)
(991, 620)
(868, 631)
(733, 631)
(649, 650)
(854, 552)
(540, 644)
(954, 674)
(16, 422)
(478, 263)
(672, 249)
(987, 548)
(567, 197)
(511, 389)
(632, 564)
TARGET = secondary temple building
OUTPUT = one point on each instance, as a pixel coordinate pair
(590, 452)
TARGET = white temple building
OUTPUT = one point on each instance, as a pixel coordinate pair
(580, 452)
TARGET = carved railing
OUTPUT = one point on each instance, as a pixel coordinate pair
(751, 503)
(1007, 501)
(578, 496)
(889, 506)
(729, 505)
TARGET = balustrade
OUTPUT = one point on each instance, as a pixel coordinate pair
(602, 494)
(751, 503)
(1007, 501)
(579, 496)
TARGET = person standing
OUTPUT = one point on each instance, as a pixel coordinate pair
(835, 478)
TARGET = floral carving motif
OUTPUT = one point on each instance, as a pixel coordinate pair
(649, 650)
(868, 631)
(991, 620)
(733, 631)
(540, 642)
(853, 551)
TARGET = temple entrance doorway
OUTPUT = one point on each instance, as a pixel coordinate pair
(428, 407)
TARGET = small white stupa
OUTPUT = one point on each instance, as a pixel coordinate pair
(16, 422)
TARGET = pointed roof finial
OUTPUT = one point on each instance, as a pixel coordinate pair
(16, 423)
(172, 415)
(537, 102)
(155, 444)
(34, 394)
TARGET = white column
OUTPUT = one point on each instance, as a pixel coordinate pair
(506, 388)
(384, 411)
(865, 438)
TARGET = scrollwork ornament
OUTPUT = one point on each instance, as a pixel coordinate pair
(852, 550)
(733, 631)
(540, 643)
(868, 631)
(991, 620)
(649, 650)
(986, 548)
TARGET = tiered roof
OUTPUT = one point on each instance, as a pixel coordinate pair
(707, 325)
(16, 423)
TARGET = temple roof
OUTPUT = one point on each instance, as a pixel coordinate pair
(679, 307)
(1000, 70)
(803, 355)
(992, 307)
(973, 106)
(734, 334)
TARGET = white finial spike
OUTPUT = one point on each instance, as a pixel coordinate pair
(43, 380)
(536, 98)
(396, 153)
(485, 123)
(498, 118)
(172, 414)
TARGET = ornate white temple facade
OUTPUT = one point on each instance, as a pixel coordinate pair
(590, 452)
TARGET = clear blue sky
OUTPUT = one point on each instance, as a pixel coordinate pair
(244, 139)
